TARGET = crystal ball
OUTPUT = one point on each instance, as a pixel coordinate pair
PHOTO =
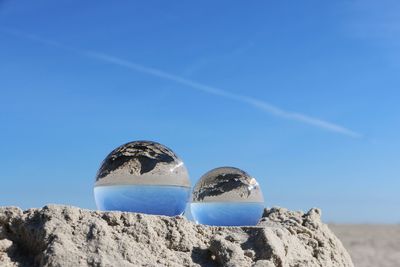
(145, 177)
(227, 196)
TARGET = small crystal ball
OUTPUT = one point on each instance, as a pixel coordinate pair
(227, 196)
(145, 177)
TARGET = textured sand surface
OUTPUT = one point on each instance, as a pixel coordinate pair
(371, 245)
(68, 236)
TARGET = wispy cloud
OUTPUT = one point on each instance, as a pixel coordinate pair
(203, 62)
(251, 101)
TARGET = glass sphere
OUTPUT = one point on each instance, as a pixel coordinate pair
(227, 196)
(145, 177)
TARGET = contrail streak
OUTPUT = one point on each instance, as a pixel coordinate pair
(254, 102)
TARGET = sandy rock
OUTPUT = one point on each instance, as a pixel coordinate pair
(69, 236)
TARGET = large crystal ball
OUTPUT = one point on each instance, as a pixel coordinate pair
(227, 196)
(145, 177)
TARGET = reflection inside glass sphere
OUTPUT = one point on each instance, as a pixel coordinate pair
(227, 196)
(142, 176)
(150, 199)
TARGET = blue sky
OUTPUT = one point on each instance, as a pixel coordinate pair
(302, 95)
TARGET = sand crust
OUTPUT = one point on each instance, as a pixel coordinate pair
(69, 236)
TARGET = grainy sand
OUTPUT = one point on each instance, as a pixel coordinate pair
(371, 245)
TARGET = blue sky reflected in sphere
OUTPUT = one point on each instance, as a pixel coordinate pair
(158, 200)
(227, 213)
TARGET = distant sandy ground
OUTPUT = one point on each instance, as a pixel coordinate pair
(371, 245)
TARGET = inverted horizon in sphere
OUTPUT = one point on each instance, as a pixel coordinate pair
(227, 196)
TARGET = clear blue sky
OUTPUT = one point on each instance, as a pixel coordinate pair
(303, 95)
